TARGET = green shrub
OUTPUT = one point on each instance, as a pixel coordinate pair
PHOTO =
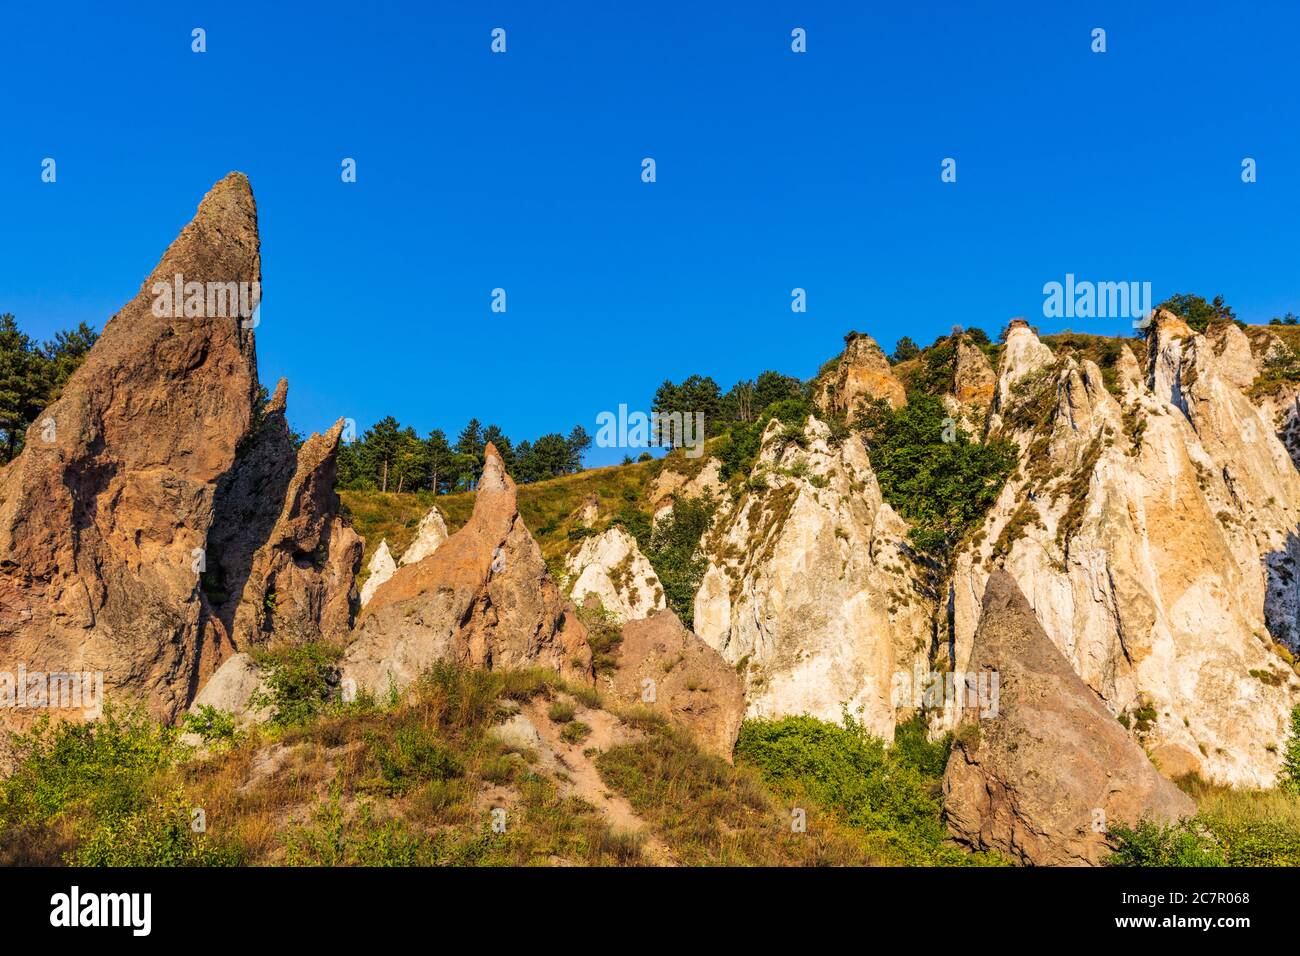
(1289, 775)
(100, 766)
(1184, 843)
(412, 756)
(216, 728)
(893, 795)
(301, 681)
(575, 732)
(944, 488)
(674, 552)
(159, 834)
(561, 711)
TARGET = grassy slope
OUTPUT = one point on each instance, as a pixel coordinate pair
(411, 783)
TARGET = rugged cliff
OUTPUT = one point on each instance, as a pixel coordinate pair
(1152, 526)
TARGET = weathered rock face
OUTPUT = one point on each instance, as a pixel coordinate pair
(300, 585)
(1022, 356)
(862, 375)
(1154, 533)
(808, 586)
(612, 568)
(974, 381)
(483, 598)
(1274, 388)
(380, 568)
(428, 536)
(663, 666)
(1040, 777)
(107, 509)
(154, 510)
(684, 482)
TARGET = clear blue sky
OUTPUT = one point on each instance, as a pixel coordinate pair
(522, 170)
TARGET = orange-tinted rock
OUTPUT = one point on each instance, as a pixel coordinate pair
(106, 512)
(152, 507)
(663, 666)
(301, 583)
(862, 375)
(483, 598)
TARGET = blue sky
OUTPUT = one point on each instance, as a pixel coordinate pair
(775, 170)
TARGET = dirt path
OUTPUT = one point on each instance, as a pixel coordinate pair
(585, 781)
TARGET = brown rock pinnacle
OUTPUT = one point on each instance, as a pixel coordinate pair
(483, 598)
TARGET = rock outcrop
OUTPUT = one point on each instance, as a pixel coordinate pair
(610, 567)
(1041, 775)
(237, 688)
(663, 666)
(105, 515)
(431, 533)
(678, 478)
(974, 384)
(809, 588)
(156, 500)
(300, 585)
(379, 569)
(483, 598)
(862, 375)
(1153, 527)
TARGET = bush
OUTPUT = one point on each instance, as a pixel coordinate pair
(1184, 843)
(160, 834)
(301, 681)
(575, 732)
(411, 757)
(99, 766)
(1289, 775)
(944, 488)
(893, 795)
(214, 727)
(674, 552)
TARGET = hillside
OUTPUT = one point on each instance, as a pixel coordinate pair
(981, 603)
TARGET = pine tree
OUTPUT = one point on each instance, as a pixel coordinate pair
(1289, 777)
(441, 462)
(24, 383)
(470, 441)
(579, 441)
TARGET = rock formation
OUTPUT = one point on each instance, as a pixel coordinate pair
(236, 688)
(809, 589)
(428, 536)
(679, 477)
(1040, 776)
(300, 585)
(610, 567)
(1153, 529)
(663, 666)
(105, 514)
(380, 569)
(146, 496)
(974, 384)
(483, 598)
(862, 375)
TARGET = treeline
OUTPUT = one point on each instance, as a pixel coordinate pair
(32, 375)
(389, 457)
(743, 403)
